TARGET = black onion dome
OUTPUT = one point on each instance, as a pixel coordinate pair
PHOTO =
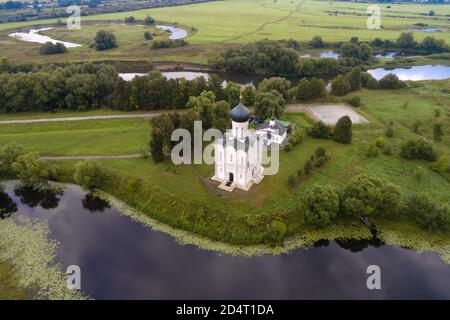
(240, 113)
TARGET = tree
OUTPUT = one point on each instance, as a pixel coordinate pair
(437, 131)
(9, 155)
(343, 130)
(418, 148)
(320, 205)
(370, 196)
(432, 45)
(282, 85)
(89, 174)
(248, 96)
(130, 19)
(162, 129)
(148, 35)
(351, 50)
(33, 171)
(340, 86)
(304, 91)
(205, 106)
(149, 20)
(5, 66)
(268, 104)
(366, 52)
(390, 81)
(406, 40)
(317, 42)
(104, 40)
(354, 79)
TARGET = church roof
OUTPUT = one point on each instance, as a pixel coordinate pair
(240, 113)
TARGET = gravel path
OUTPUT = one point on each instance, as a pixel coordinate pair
(116, 116)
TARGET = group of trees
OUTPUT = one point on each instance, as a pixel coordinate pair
(341, 133)
(53, 48)
(362, 195)
(406, 42)
(275, 58)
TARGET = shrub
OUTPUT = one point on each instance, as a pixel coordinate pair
(168, 43)
(33, 171)
(389, 132)
(343, 131)
(320, 205)
(104, 40)
(373, 151)
(437, 131)
(418, 148)
(8, 155)
(428, 214)
(288, 147)
(89, 174)
(387, 150)
(148, 35)
(50, 48)
(149, 20)
(320, 130)
(293, 140)
(372, 84)
(320, 152)
(441, 165)
(380, 142)
(320, 161)
(275, 233)
(370, 196)
(419, 172)
(354, 101)
(292, 181)
(308, 167)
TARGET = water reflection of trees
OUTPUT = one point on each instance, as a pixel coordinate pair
(357, 245)
(32, 197)
(93, 203)
(7, 206)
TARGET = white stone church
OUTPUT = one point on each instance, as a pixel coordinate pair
(238, 155)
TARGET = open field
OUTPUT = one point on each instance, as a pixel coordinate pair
(235, 21)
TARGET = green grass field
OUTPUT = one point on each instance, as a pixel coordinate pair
(75, 138)
(223, 23)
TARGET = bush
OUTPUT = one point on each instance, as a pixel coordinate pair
(320, 152)
(437, 131)
(372, 84)
(418, 148)
(320, 205)
(292, 181)
(308, 167)
(354, 101)
(370, 196)
(293, 140)
(320, 161)
(148, 35)
(387, 150)
(104, 40)
(275, 233)
(50, 48)
(288, 147)
(373, 151)
(389, 132)
(89, 174)
(343, 131)
(320, 130)
(428, 214)
(441, 165)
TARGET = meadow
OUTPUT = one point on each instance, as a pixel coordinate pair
(215, 25)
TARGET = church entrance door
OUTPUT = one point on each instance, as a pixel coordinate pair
(231, 177)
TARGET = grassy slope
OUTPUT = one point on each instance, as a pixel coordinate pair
(235, 21)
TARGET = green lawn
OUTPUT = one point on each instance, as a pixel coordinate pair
(74, 138)
(220, 24)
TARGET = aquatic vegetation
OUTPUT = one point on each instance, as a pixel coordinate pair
(25, 245)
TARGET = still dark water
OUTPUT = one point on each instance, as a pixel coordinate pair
(121, 259)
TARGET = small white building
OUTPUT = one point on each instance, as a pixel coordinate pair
(238, 155)
(273, 132)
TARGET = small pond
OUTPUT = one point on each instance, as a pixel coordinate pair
(121, 259)
(33, 35)
(416, 73)
(326, 54)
